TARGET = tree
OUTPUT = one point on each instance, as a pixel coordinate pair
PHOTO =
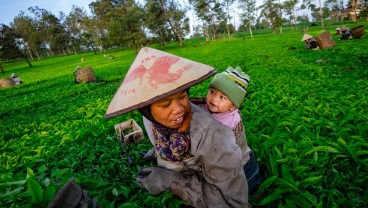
(224, 27)
(176, 18)
(312, 8)
(88, 40)
(364, 11)
(201, 7)
(334, 8)
(359, 8)
(321, 13)
(155, 21)
(211, 13)
(304, 6)
(228, 4)
(280, 6)
(74, 27)
(271, 11)
(119, 21)
(54, 33)
(289, 7)
(41, 29)
(303, 18)
(248, 16)
(26, 28)
(9, 47)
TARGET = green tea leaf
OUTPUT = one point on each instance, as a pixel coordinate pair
(30, 173)
(311, 180)
(21, 182)
(129, 205)
(278, 152)
(49, 194)
(270, 198)
(292, 151)
(115, 192)
(285, 123)
(343, 202)
(362, 152)
(315, 156)
(288, 183)
(11, 193)
(348, 150)
(299, 200)
(36, 191)
(149, 200)
(310, 197)
(297, 129)
(268, 182)
(327, 149)
(290, 204)
(62, 172)
(166, 197)
(308, 120)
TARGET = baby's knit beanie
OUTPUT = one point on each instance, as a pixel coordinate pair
(233, 83)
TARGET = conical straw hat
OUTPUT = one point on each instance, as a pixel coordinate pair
(306, 37)
(155, 75)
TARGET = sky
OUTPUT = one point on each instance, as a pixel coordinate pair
(11, 8)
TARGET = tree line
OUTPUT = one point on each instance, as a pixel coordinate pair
(129, 23)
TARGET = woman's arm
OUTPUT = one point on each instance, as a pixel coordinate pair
(221, 182)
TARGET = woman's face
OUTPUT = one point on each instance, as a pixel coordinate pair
(170, 111)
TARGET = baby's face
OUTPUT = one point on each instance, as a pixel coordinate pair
(218, 102)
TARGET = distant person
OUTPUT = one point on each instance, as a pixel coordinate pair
(338, 31)
(310, 42)
(226, 92)
(16, 79)
(345, 33)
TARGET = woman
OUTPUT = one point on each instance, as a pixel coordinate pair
(345, 33)
(198, 157)
(310, 42)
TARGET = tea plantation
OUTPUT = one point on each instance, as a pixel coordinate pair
(305, 115)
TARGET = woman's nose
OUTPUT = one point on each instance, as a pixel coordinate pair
(177, 107)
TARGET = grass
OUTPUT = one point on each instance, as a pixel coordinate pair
(305, 119)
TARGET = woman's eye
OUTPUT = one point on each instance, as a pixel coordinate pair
(182, 97)
(165, 104)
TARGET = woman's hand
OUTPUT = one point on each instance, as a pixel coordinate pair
(155, 179)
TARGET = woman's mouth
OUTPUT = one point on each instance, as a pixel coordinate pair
(179, 119)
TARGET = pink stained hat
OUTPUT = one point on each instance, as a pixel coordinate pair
(153, 76)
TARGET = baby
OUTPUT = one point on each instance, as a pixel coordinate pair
(226, 92)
